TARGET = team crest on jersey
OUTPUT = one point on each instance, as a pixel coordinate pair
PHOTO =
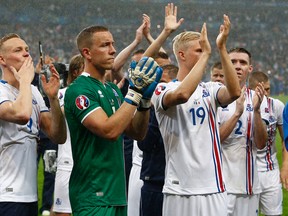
(82, 102)
(60, 95)
(249, 108)
(33, 101)
(266, 110)
(58, 201)
(205, 93)
(272, 119)
(159, 89)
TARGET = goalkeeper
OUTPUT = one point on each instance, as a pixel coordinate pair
(97, 116)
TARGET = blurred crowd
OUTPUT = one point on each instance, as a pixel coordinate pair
(260, 26)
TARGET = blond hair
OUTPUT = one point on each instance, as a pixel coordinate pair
(181, 41)
(6, 38)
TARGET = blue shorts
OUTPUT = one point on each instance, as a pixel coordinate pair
(18, 209)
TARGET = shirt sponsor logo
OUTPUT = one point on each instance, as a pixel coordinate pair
(82, 102)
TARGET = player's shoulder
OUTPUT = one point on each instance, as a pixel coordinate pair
(278, 102)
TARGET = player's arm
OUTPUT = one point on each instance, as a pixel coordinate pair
(189, 84)
(260, 128)
(147, 31)
(123, 56)
(170, 25)
(152, 138)
(20, 110)
(53, 122)
(231, 90)
(112, 127)
(227, 127)
(143, 78)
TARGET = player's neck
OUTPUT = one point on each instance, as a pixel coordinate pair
(10, 79)
(96, 74)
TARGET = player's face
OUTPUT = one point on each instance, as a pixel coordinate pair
(242, 66)
(193, 53)
(267, 88)
(165, 76)
(102, 51)
(14, 52)
(217, 75)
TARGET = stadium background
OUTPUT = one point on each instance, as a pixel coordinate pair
(260, 26)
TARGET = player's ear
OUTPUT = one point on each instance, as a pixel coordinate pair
(86, 53)
(181, 55)
(250, 68)
(2, 61)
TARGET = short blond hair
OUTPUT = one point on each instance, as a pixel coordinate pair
(180, 41)
(6, 38)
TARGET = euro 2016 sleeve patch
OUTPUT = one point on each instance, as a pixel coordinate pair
(159, 89)
(82, 102)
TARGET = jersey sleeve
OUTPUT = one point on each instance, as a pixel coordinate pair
(61, 95)
(3, 95)
(159, 93)
(80, 102)
(215, 87)
(39, 98)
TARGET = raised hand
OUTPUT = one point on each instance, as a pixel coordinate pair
(204, 42)
(240, 103)
(146, 30)
(26, 72)
(52, 85)
(143, 79)
(223, 32)
(140, 32)
(258, 96)
(171, 23)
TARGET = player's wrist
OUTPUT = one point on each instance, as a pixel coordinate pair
(144, 105)
(133, 97)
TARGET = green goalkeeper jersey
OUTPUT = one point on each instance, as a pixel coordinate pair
(97, 178)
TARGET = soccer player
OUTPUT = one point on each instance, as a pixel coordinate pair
(216, 73)
(186, 112)
(22, 114)
(97, 117)
(271, 196)
(153, 163)
(242, 132)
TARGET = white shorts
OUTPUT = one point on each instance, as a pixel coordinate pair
(200, 205)
(242, 204)
(134, 191)
(61, 202)
(271, 196)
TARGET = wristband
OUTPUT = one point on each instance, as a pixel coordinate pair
(132, 97)
(145, 104)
